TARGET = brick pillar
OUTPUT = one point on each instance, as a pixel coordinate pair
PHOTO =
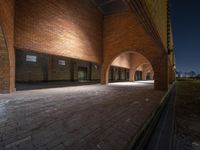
(132, 75)
(7, 53)
(171, 71)
(144, 74)
(104, 74)
(161, 73)
(174, 75)
(151, 75)
(4, 65)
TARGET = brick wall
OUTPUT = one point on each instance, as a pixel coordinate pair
(47, 68)
(69, 28)
(58, 71)
(30, 71)
(124, 33)
(158, 12)
(73, 29)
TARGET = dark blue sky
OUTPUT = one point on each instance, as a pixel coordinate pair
(185, 17)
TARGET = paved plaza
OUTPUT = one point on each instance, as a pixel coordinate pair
(87, 117)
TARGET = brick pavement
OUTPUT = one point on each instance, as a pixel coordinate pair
(90, 117)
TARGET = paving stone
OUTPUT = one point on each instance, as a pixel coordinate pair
(17, 143)
(82, 117)
(12, 148)
(41, 148)
(58, 147)
(53, 143)
(26, 146)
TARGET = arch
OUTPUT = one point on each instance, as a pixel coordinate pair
(124, 33)
(133, 65)
(147, 71)
(145, 64)
(159, 65)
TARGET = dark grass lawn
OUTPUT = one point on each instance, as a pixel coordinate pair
(188, 115)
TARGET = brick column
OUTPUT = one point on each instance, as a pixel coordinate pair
(144, 74)
(171, 71)
(161, 73)
(4, 65)
(174, 75)
(151, 75)
(132, 75)
(104, 74)
(7, 53)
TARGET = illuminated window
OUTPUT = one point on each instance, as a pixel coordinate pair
(61, 62)
(31, 58)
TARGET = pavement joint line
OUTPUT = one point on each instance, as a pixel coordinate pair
(16, 143)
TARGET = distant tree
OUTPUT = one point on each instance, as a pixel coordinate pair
(178, 74)
(198, 77)
(187, 74)
(192, 73)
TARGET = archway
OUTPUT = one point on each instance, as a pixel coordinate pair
(159, 66)
(119, 68)
(123, 33)
(131, 62)
(144, 72)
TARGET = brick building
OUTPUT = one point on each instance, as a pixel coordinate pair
(72, 40)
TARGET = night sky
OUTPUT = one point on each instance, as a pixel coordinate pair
(185, 17)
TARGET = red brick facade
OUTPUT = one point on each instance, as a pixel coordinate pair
(76, 29)
(70, 28)
(123, 33)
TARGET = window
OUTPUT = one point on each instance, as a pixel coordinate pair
(31, 58)
(61, 62)
(96, 67)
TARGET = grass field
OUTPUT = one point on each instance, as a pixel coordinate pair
(188, 114)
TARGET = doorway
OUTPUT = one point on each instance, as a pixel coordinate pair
(138, 75)
(82, 73)
(148, 76)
